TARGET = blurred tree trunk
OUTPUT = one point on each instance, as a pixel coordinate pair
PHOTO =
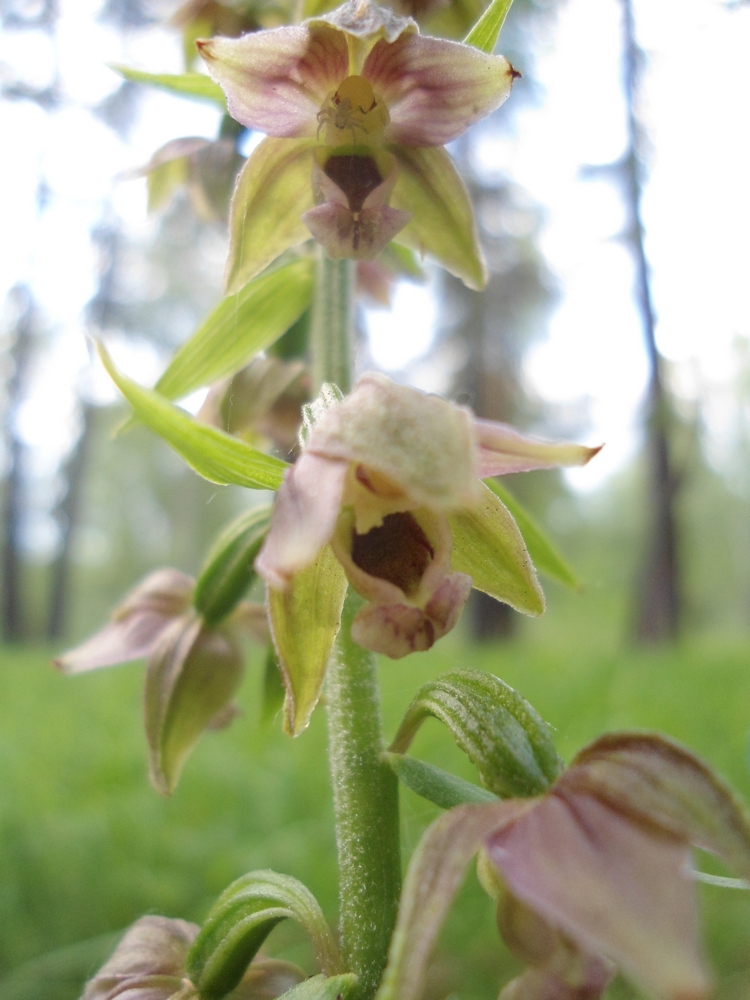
(657, 613)
(67, 516)
(13, 612)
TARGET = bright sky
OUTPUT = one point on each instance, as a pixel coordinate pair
(697, 208)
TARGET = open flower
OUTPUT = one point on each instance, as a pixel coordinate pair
(389, 477)
(362, 102)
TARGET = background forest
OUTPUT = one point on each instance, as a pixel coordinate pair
(612, 200)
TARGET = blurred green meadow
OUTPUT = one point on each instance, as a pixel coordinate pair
(86, 846)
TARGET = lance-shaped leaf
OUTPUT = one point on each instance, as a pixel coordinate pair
(228, 570)
(305, 618)
(195, 85)
(444, 789)
(489, 547)
(238, 328)
(242, 918)
(486, 31)
(214, 455)
(442, 223)
(273, 190)
(323, 988)
(503, 736)
(658, 781)
(545, 556)
(432, 879)
(192, 677)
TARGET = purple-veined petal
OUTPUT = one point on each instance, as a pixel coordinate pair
(277, 80)
(435, 89)
(272, 192)
(344, 235)
(304, 517)
(442, 224)
(616, 888)
(502, 449)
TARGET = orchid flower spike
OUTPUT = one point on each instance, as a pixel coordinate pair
(361, 103)
(389, 478)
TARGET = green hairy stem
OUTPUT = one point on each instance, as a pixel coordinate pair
(332, 323)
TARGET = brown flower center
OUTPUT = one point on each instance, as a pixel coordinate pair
(357, 175)
(397, 551)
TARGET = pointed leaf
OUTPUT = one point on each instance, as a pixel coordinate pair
(239, 922)
(273, 190)
(545, 556)
(503, 736)
(489, 547)
(214, 455)
(442, 222)
(432, 880)
(195, 85)
(228, 570)
(486, 31)
(659, 781)
(238, 328)
(305, 619)
(444, 789)
(321, 988)
(192, 676)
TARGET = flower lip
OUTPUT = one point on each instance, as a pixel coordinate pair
(397, 550)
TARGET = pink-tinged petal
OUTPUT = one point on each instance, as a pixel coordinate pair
(272, 191)
(435, 89)
(344, 235)
(442, 224)
(277, 80)
(136, 625)
(502, 449)
(304, 517)
(447, 603)
(541, 984)
(615, 888)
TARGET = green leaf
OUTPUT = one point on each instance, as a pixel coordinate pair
(239, 922)
(442, 224)
(305, 619)
(445, 790)
(272, 192)
(489, 547)
(228, 570)
(544, 554)
(239, 327)
(503, 736)
(486, 31)
(432, 879)
(192, 677)
(194, 85)
(213, 454)
(321, 988)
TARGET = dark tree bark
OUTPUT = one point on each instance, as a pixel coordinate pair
(13, 617)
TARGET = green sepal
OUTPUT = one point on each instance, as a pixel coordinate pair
(488, 545)
(544, 554)
(241, 920)
(442, 223)
(504, 737)
(194, 85)
(216, 456)
(431, 783)
(273, 190)
(322, 988)
(486, 31)
(273, 687)
(305, 619)
(228, 570)
(239, 327)
(191, 679)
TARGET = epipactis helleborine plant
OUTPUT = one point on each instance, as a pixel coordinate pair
(362, 102)
(390, 478)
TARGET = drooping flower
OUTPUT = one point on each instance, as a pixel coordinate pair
(364, 103)
(193, 670)
(389, 477)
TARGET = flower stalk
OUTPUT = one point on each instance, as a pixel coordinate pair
(332, 323)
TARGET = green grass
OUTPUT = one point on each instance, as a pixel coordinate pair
(86, 846)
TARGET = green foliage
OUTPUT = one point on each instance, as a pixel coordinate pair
(486, 31)
(194, 85)
(431, 783)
